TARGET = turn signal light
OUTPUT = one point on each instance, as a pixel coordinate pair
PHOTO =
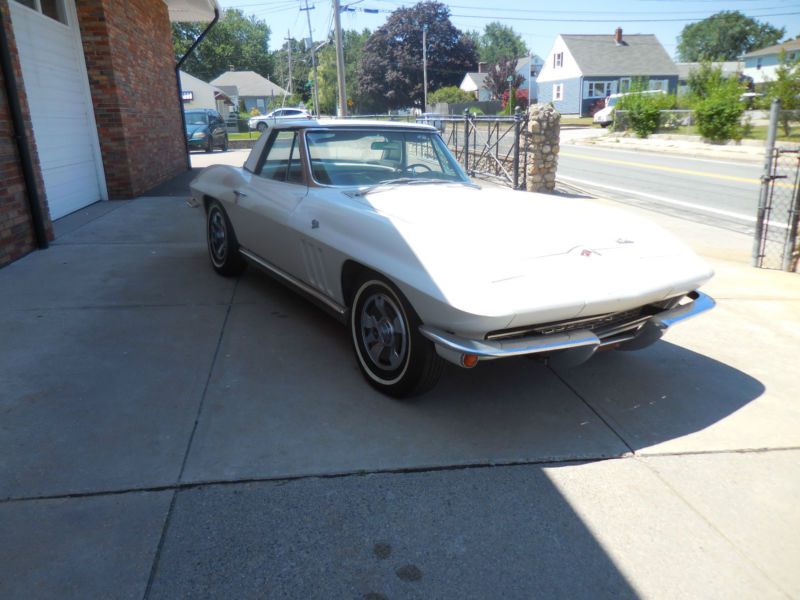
(469, 360)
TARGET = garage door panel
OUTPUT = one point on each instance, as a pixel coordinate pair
(53, 72)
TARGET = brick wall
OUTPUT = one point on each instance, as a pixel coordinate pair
(16, 226)
(131, 67)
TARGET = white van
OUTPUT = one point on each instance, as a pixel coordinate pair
(605, 116)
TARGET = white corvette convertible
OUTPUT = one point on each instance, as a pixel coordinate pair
(377, 223)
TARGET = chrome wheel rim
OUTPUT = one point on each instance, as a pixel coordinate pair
(383, 332)
(217, 236)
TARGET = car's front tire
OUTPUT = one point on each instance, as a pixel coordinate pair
(262, 127)
(392, 354)
(223, 249)
(225, 143)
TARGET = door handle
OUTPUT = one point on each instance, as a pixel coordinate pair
(239, 194)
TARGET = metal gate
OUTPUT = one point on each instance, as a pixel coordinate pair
(775, 245)
(491, 147)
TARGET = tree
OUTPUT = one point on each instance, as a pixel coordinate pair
(450, 94)
(328, 87)
(786, 87)
(301, 68)
(236, 40)
(498, 41)
(704, 80)
(391, 68)
(725, 35)
(497, 78)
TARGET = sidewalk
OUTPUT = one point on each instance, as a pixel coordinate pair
(692, 146)
(170, 433)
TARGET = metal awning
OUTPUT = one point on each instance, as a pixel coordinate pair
(192, 11)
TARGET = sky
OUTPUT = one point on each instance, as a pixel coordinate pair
(538, 23)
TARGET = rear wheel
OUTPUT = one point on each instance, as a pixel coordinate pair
(392, 355)
(223, 249)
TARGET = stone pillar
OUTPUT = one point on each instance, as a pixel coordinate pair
(542, 144)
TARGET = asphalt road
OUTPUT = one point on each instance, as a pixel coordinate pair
(715, 192)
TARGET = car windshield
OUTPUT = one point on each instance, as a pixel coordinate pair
(196, 117)
(368, 157)
(611, 101)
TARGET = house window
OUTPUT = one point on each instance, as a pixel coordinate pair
(558, 91)
(558, 60)
(54, 9)
(658, 85)
(625, 85)
(599, 89)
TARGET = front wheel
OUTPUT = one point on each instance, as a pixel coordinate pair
(262, 127)
(223, 249)
(392, 355)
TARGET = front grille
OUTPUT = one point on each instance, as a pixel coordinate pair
(602, 325)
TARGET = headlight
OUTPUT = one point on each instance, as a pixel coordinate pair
(199, 135)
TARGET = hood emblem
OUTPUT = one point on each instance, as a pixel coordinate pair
(587, 252)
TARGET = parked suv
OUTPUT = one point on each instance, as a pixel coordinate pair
(205, 130)
(261, 122)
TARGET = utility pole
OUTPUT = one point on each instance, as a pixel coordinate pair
(313, 59)
(530, 68)
(425, 67)
(342, 109)
(289, 49)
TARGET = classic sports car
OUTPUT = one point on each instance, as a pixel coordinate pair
(378, 224)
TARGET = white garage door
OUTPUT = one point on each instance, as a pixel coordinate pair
(54, 73)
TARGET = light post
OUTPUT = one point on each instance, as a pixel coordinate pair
(512, 100)
(425, 67)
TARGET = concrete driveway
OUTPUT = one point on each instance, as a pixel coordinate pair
(169, 433)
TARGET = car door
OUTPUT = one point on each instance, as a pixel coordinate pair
(264, 203)
(217, 128)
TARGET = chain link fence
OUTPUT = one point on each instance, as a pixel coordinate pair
(775, 245)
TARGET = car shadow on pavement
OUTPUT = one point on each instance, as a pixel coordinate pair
(286, 399)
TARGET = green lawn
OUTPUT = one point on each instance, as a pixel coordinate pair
(756, 132)
(576, 120)
(252, 135)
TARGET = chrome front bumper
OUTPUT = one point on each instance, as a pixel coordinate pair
(569, 348)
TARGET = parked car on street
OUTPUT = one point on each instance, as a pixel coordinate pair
(377, 223)
(206, 130)
(261, 122)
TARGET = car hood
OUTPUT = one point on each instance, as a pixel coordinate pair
(517, 227)
(518, 244)
(192, 129)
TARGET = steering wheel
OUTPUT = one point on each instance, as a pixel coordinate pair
(415, 165)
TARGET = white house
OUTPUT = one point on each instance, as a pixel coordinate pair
(760, 65)
(528, 68)
(197, 93)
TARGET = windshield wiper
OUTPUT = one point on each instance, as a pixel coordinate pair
(367, 190)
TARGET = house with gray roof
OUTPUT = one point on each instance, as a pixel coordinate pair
(254, 90)
(760, 65)
(582, 70)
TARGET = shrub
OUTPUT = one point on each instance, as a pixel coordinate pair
(719, 115)
(450, 94)
(642, 110)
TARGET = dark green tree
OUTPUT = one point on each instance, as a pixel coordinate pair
(725, 35)
(500, 41)
(236, 40)
(391, 68)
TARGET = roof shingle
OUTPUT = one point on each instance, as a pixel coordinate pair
(639, 55)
